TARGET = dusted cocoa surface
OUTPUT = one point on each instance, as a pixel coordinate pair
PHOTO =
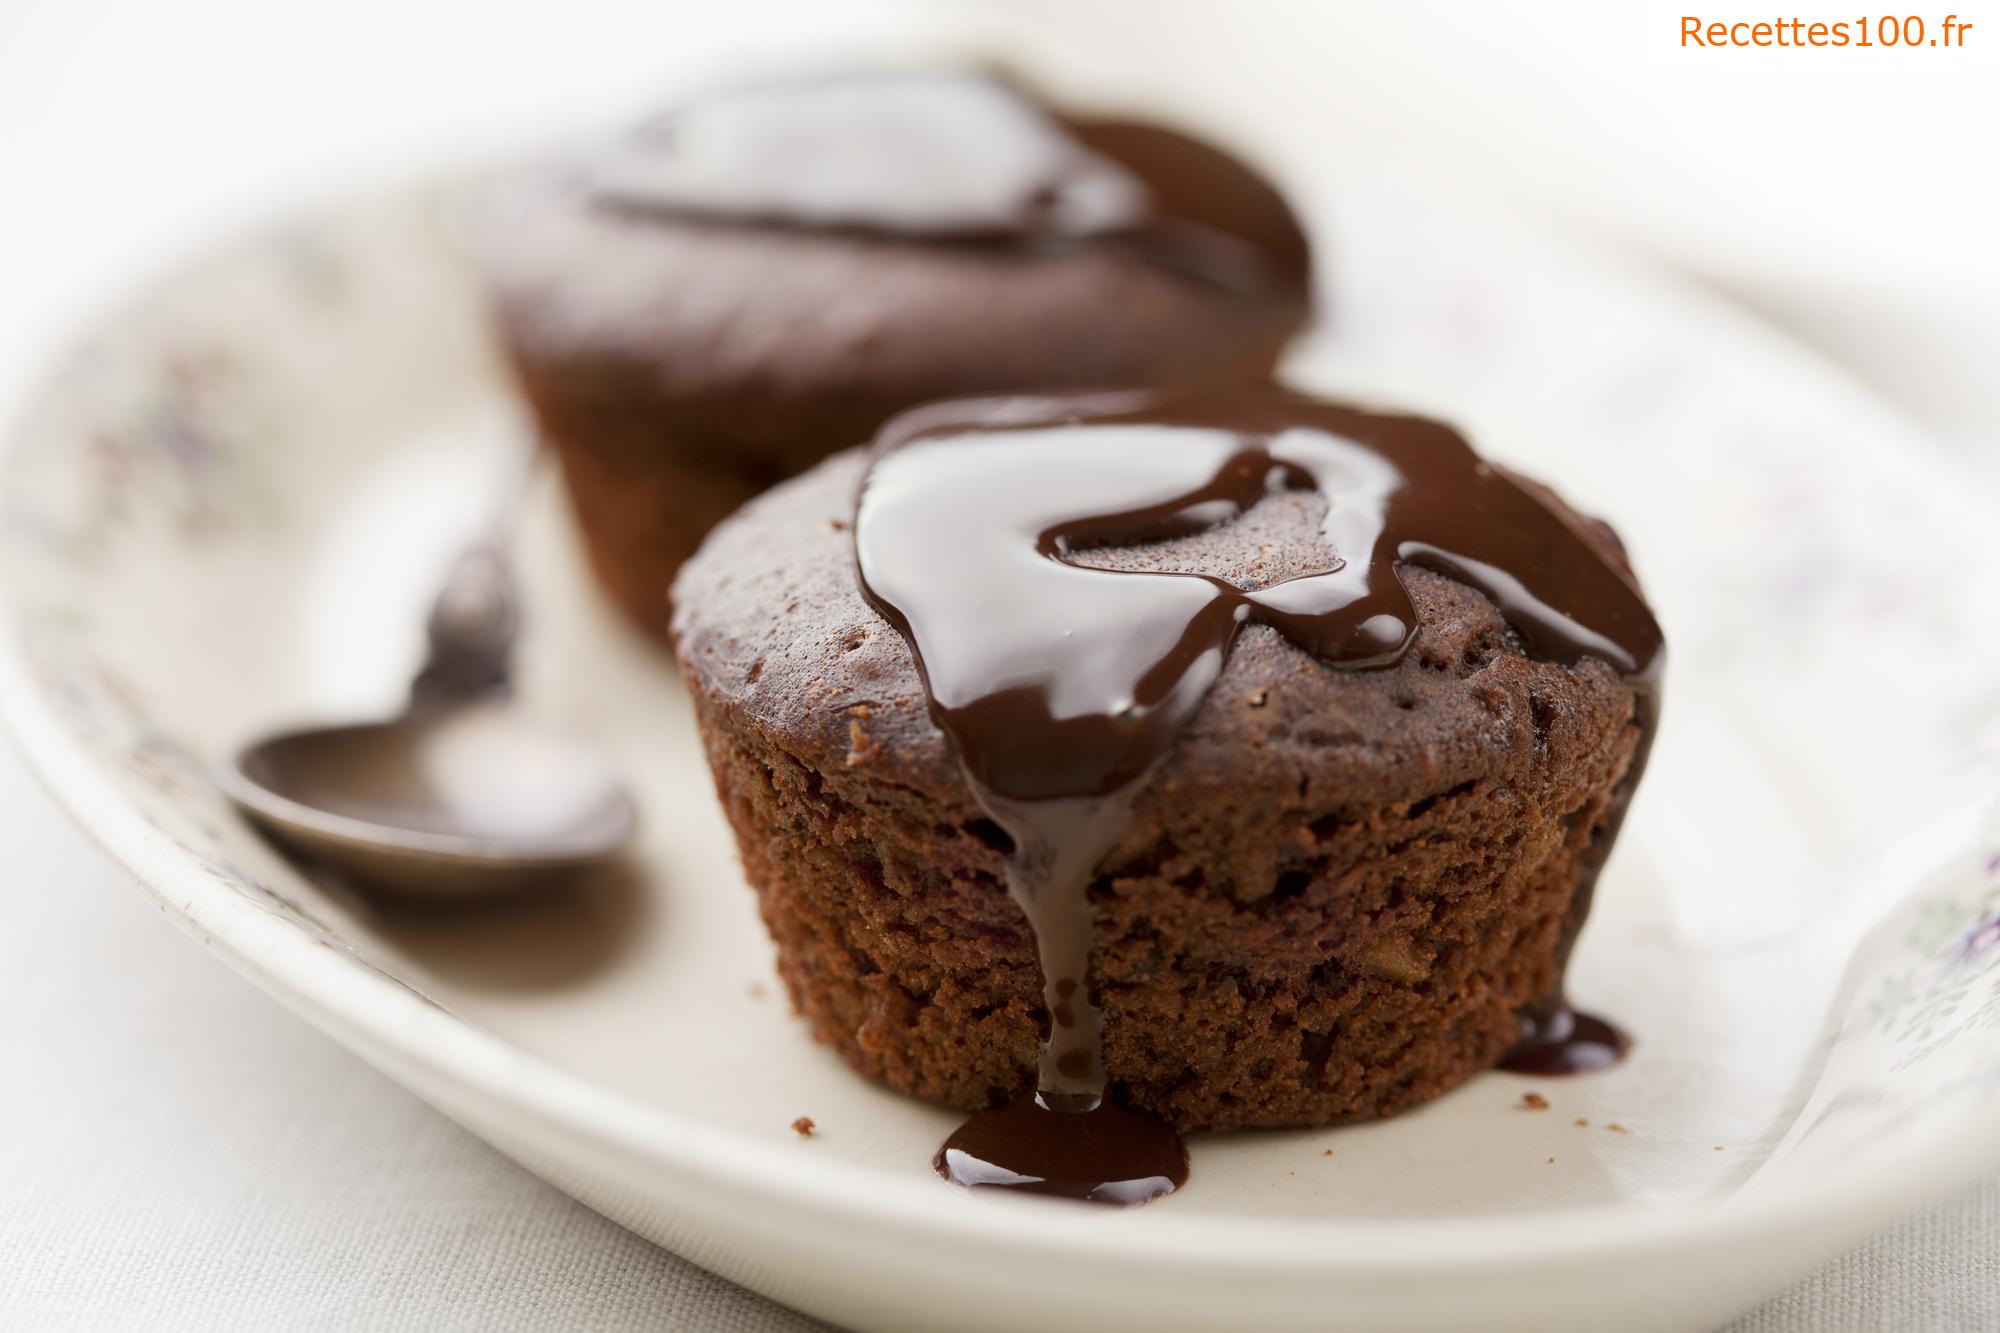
(680, 366)
(1337, 889)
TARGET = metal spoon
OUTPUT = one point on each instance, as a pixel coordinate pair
(461, 796)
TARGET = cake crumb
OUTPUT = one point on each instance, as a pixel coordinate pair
(1718, 1147)
(1257, 698)
(1581, 1123)
(860, 749)
(1617, 1128)
(835, 525)
(1550, 1162)
(1534, 1101)
(804, 1127)
(1329, 1152)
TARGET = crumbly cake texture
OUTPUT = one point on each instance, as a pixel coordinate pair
(1337, 890)
(680, 367)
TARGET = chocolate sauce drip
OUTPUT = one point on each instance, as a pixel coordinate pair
(1557, 1039)
(960, 158)
(1104, 1154)
(1061, 686)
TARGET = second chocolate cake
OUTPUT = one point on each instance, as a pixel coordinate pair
(723, 297)
(1330, 802)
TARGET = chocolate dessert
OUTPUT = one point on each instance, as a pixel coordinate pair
(722, 298)
(1208, 761)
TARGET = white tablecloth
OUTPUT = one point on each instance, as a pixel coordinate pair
(178, 1152)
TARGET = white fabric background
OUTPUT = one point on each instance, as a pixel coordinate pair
(177, 1152)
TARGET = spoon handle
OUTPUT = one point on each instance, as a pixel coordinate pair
(476, 615)
(471, 629)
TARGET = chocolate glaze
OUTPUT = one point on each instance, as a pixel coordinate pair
(1061, 686)
(961, 158)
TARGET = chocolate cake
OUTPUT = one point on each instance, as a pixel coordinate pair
(1301, 836)
(723, 297)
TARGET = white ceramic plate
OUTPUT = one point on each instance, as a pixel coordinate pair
(227, 509)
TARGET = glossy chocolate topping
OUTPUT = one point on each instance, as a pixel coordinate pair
(1060, 686)
(954, 157)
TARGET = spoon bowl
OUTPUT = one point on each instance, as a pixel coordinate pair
(446, 803)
